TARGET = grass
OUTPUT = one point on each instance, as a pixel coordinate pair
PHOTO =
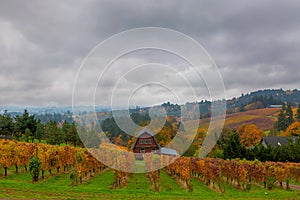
(98, 187)
(56, 186)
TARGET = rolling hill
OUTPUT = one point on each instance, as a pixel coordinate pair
(263, 118)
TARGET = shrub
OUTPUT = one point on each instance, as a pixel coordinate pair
(34, 168)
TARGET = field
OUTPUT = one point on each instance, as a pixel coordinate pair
(264, 119)
(138, 187)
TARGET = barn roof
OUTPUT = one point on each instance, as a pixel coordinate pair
(162, 150)
(274, 141)
(145, 130)
(168, 151)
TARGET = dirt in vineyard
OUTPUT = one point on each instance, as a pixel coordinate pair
(294, 187)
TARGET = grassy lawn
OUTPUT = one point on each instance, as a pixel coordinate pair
(98, 187)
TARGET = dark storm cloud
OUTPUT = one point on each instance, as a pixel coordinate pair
(256, 44)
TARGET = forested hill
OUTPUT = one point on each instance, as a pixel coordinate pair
(263, 99)
(250, 101)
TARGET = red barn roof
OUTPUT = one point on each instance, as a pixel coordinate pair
(146, 131)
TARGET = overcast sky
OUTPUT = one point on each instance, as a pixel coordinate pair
(255, 44)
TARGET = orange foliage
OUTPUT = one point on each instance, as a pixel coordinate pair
(293, 129)
(241, 173)
(181, 169)
(171, 119)
(119, 141)
(52, 157)
(164, 136)
(130, 142)
(254, 106)
(250, 134)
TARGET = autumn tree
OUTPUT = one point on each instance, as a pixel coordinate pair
(254, 106)
(119, 141)
(293, 129)
(130, 142)
(164, 135)
(250, 135)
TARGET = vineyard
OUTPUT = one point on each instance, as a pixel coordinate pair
(263, 118)
(76, 168)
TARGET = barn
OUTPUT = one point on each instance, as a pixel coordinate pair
(145, 142)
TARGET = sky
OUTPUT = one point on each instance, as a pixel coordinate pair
(255, 45)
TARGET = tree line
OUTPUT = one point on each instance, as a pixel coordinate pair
(28, 128)
(231, 144)
(286, 117)
(232, 148)
(245, 141)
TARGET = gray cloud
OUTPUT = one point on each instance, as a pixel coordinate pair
(256, 44)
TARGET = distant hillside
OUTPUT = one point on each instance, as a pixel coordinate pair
(238, 109)
(263, 118)
(252, 101)
(263, 99)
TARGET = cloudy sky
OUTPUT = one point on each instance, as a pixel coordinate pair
(255, 44)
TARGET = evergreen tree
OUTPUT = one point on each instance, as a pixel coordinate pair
(65, 130)
(232, 147)
(73, 135)
(23, 122)
(27, 135)
(281, 122)
(40, 131)
(289, 115)
(6, 124)
(54, 133)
